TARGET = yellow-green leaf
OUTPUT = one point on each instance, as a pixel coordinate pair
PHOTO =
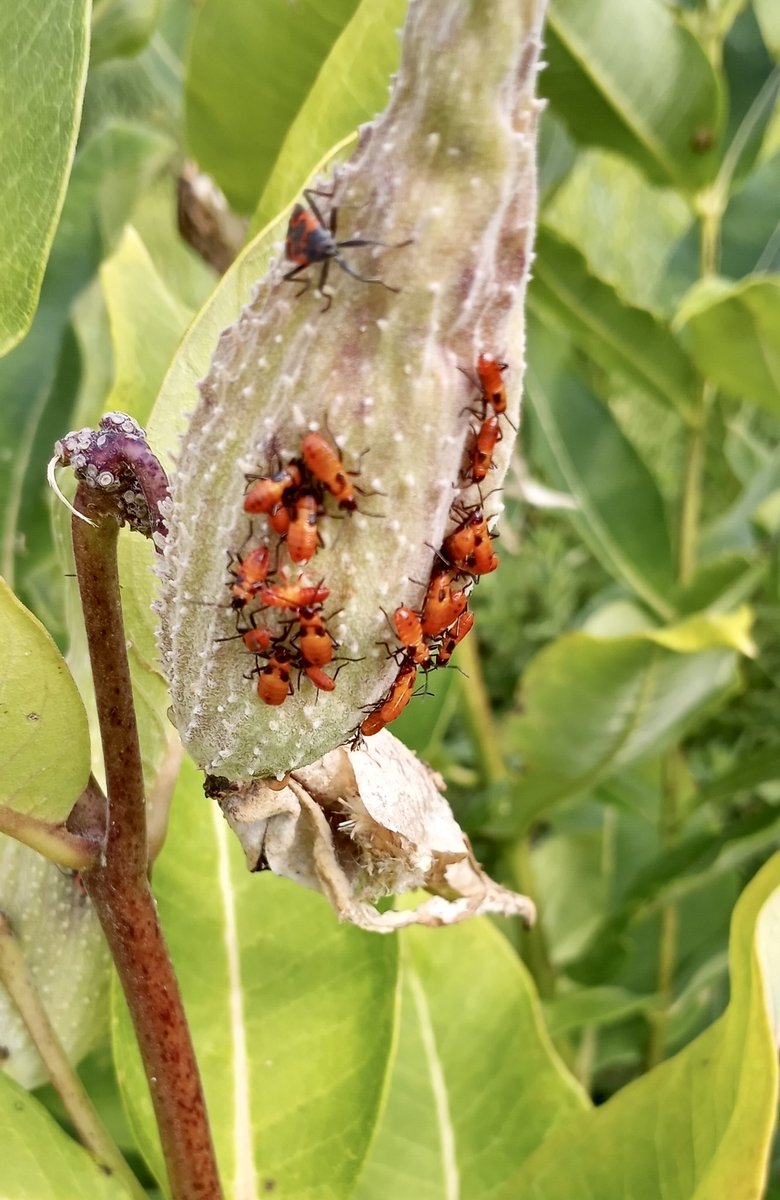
(43, 69)
(44, 740)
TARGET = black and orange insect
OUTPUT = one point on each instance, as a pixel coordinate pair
(453, 636)
(407, 626)
(293, 595)
(311, 240)
(443, 604)
(268, 491)
(491, 383)
(485, 441)
(469, 547)
(391, 707)
(302, 534)
(256, 638)
(325, 463)
(274, 684)
(314, 640)
(250, 573)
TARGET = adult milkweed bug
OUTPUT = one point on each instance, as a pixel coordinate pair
(485, 440)
(453, 636)
(292, 595)
(442, 605)
(391, 707)
(268, 491)
(302, 534)
(310, 240)
(249, 575)
(273, 680)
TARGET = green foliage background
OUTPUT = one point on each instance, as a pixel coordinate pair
(612, 746)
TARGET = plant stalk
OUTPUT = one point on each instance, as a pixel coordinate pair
(494, 771)
(119, 887)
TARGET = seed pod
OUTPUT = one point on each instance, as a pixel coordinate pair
(450, 165)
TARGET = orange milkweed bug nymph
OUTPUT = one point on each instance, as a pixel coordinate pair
(249, 575)
(310, 240)
(469, 547)
(320, 678)
(442, 605)
(292, 595)
(407, 626)
(391, 707)
(485, 440)
(314, 640)
(302, 535)
(256, 638)
(279, 518)
(273, 680)
(325, 463)
(492, 390)
(491, 383)
(453, 636)
(268, 491)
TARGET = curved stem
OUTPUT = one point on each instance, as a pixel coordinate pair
(75, 851)
(119, 886)
(494, 771)
(667, 949)
(92, 1133)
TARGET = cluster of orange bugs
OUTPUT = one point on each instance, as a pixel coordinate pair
(428, 638)
(293, 500)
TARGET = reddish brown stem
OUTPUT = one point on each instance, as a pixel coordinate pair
(119, 886)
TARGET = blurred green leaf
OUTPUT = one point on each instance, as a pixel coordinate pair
(250, 70)
(43, 69)
(40, 1162)
(621, 513)
(594, 1006)
(109, 172)
(768, 17)
(732, 331)
(476, 1085)
(366, 54)
(700, 1125)
(44, 740)
(121, 28)
(568, 867)
(631, 78)
(618, 336)
(146, 324)
(594, 705)
(745, 776)
(627, 230)
(293, 1022)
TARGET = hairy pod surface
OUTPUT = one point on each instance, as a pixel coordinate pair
(450, 165)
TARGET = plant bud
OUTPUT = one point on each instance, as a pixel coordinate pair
(386, 375)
